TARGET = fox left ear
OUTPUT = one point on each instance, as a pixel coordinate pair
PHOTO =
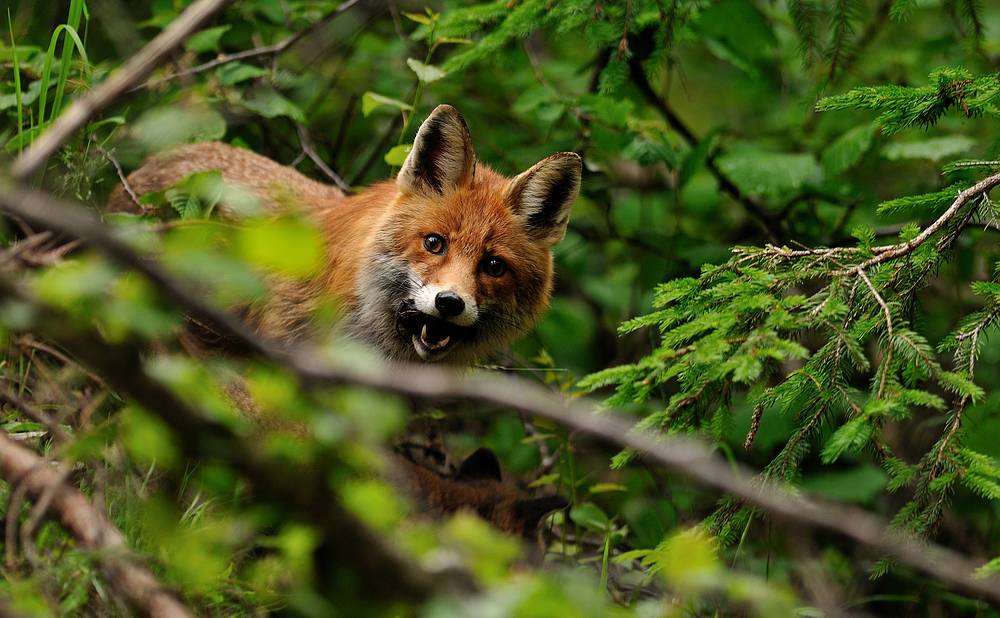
(543, 196)
(442, 155)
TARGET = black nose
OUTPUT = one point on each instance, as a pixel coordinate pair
(449, 304)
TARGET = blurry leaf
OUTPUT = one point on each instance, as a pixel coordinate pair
(645, 151)
(235, 72)
(370, 101)
(426, 73)
(289, 245)
(759, 172)
(373, 501)
(846, 151)
(543, 480)
(935, 148)
(267, 102)
(149, 439)
(600, 488)
(689, 560)
(397, 155)
(162, 127)
(590, 516)
(859, 485)
(607, 109)
(71, 284)
(206, 40)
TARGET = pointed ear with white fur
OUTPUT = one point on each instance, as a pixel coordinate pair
(543, 196)
(441, 157)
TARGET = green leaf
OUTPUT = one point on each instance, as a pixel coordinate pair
(161, 127)
(426, 73)
(206, 40)
(397, 155)
(269, 103)
(934, 149)
(759, 172)
(370, 101)
(600, 488)
(417, 17)
(590, 516)
(237, 72)
(846, 151)
(288, 245)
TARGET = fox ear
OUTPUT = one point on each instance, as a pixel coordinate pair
(480, 466)
(532, 511)
(543, 196)
(442, 155)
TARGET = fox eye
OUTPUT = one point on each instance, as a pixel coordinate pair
(434, 243)
(494, 266)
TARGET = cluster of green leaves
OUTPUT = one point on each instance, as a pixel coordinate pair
(697, 121)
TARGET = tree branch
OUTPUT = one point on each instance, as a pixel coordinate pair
(122, 367)
(768, 221)
(141, 589)
(383, 573)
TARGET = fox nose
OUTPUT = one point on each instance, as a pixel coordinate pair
(449, 304)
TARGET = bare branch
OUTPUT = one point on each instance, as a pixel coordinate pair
(891, 252)
(144, 593)
(84, 108)
(307, 147)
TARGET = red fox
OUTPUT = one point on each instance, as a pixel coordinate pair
(449, 261)
(477, 488)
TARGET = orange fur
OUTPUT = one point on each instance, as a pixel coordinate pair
(487, 285)
(477, 489)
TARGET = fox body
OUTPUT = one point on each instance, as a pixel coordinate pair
(449, 261)
(477, 489)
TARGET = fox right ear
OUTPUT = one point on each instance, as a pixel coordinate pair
(482, 465)
(543, 196)
(442, 155)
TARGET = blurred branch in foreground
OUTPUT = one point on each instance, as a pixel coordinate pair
(122, 367)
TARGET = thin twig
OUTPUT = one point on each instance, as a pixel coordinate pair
(121, 176)
(878, 299)
(277, 49)
(307, 147)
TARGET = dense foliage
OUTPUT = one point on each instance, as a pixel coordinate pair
(798, 191)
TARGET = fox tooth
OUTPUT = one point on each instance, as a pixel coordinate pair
(423, 333)
(444, 341)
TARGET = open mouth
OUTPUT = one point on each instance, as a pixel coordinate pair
(432, 337)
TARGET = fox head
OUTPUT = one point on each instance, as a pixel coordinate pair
(461, 260)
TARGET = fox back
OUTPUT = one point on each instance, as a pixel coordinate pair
(449, 261)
